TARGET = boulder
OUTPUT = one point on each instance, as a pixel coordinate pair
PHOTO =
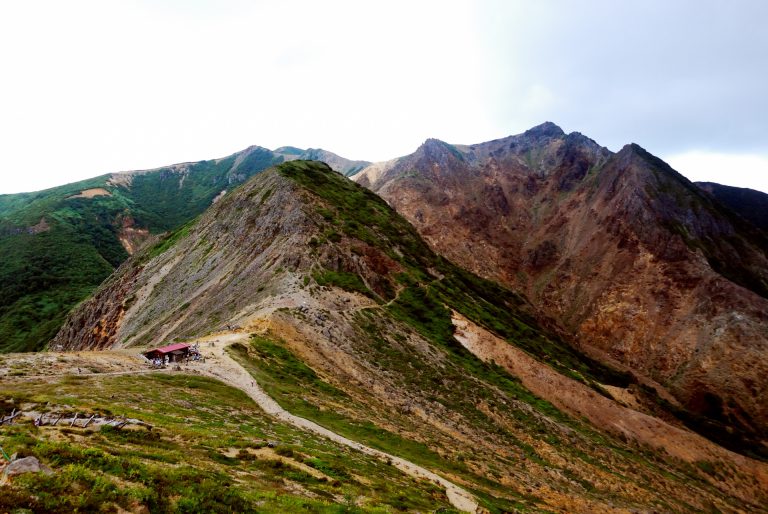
(26, 465)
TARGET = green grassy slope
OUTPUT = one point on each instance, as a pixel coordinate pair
(207, 452)
(391, 374)
(360, 214)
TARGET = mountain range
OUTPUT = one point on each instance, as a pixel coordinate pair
(549, 324)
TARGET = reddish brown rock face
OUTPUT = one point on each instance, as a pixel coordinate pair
(621, 251)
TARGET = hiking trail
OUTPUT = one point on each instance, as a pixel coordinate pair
(221, 366)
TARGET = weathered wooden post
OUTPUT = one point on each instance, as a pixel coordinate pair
(89, 420)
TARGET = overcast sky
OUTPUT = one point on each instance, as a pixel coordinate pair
(90, 87)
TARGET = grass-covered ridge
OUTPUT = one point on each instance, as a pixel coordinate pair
(533, 437)
(301, 391)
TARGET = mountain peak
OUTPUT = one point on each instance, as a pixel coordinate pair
(436, 149)
(288, 150)
(434, 143)
(546, 129)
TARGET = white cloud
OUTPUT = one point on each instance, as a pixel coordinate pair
(98, 86)
(740, 170)
(94, 86)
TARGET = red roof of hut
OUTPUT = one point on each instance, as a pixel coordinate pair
(170, 348)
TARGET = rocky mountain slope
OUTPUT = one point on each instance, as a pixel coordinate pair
(635, 262)
(357, 325)
(750, 204)
(57, 245)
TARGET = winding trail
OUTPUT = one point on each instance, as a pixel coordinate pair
(221, 366)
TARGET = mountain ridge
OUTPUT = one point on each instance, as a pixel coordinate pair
(627, 255)
(326, 276)
(751, 204)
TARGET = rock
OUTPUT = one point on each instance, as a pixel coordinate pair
(26, 465)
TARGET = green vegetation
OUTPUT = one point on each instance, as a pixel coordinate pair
(427, 287)
(41, 277)
(294, 385)
(344, 280)
(351, 412)
(171, 200)
(170, 239)
(301, 391)
(207, 452)
(506, 314)
(426, 296)
(359, 213)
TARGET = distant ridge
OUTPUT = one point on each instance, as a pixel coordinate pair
(750, 204)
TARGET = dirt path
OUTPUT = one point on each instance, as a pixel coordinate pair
(221, 366)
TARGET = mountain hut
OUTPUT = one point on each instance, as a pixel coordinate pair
(175, 352)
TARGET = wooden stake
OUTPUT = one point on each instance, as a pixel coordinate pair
(89, 420)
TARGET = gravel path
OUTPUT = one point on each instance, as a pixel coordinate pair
(221, 366)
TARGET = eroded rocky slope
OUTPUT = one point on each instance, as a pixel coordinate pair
(631, 259)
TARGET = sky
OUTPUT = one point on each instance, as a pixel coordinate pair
(93, 87)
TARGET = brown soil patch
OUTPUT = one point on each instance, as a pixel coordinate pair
(91, 193)
(267, 453)
(580, 400)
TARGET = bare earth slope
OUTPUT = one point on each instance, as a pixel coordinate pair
(346, 310)
(630, 258)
